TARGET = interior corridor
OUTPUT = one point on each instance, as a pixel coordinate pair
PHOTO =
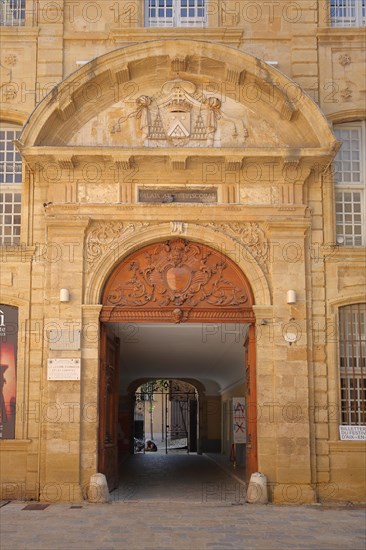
(178, 477)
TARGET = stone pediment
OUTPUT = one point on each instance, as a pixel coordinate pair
(175, 115)
(220, 98)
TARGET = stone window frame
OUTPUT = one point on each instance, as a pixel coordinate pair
(347, 13)
(352, 363)
(350, 184)
(12, 13)
(10, 185)
(175, 18)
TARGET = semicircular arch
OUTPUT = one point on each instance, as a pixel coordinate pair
(260, 88)
(240, 255)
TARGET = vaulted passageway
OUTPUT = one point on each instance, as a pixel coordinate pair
(177, 310)
(176, 478)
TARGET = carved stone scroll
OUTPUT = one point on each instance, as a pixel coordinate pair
(251, 235)
(105, 236)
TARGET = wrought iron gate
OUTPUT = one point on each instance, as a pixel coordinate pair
(179, 414)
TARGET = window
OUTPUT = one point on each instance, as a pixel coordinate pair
(12, 13)
(175, 13)
(350, 183)
(352, 353)
(348, 13)
(10, 186)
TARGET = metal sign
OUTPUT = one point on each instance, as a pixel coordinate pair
(201, 196)
(352, 433)
(63, 369)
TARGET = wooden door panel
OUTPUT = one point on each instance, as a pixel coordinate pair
(251, 462)
(108, 408)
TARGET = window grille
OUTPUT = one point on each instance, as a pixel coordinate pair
(12, 13)
(350, 183)
(348, 13)
(352, 353)
(10, 204)
(10, 187)
(176, 13)
(10, 160)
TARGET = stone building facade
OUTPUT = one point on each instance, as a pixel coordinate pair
(185, 132)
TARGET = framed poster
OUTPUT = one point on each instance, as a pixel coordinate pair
(239, 420)
(8, 369)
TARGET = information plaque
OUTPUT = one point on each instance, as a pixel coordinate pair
(200, 196)
(63, 369)
(63, 339)
(352, 433)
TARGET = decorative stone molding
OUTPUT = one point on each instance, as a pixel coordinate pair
(123, 75)
(104, 236)
(250, 235)
(234, 77)
(178, 228)
(124, 164)
(179, 64)
(346, 93)
(344, 59)
(204, 60)
(104, 256)
(10, 59)
(178, 163)
(67, 108)
(67, 163)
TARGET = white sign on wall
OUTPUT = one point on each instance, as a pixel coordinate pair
(239, 420)
(63, 339)
(63, 369)
(352, 433)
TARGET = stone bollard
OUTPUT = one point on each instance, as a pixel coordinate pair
(257, 492)
(98, 489)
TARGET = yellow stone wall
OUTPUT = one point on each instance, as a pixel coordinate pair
(282, 196)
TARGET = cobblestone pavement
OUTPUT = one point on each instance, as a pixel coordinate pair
(176, 511)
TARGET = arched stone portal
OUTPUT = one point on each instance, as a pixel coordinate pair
(256, 164)
(175, 281)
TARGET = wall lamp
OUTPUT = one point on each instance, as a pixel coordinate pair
(291, 297)
(64, 295)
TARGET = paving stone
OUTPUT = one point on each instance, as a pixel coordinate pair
(179, 519)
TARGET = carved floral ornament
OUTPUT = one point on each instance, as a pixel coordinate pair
(177, 275)
(179, 116)
(106, 236)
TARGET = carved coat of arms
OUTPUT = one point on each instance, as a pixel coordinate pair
(180, 117)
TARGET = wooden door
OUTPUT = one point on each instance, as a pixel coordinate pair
(108, 407)
(251, 461)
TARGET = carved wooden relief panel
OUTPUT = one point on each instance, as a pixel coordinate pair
(177, 281)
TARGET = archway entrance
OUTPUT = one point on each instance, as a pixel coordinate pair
(165, 417)
(168, 298)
